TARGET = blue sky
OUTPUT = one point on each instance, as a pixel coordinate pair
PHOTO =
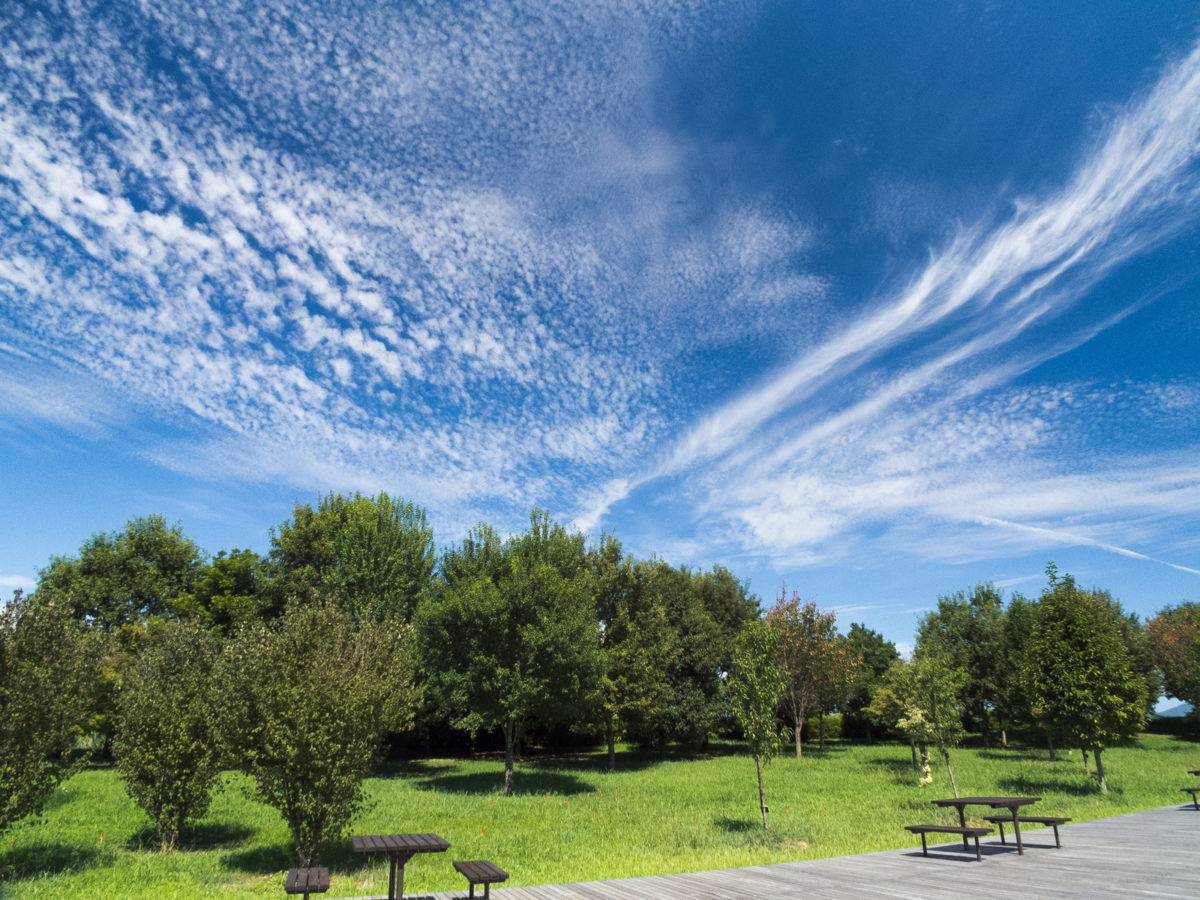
(875, 300)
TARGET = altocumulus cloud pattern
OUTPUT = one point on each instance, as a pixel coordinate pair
(494, 255)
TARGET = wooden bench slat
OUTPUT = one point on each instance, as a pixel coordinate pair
(314, 879)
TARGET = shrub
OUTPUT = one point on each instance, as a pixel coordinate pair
(167, 741)
(306, 705)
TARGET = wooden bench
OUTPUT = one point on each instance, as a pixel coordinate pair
(1053, 821)
(1192, 791)
(480, 871)
(314, 880)
(966, 832)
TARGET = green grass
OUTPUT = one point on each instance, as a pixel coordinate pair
(570, 820)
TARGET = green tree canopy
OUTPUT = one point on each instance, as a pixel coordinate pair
(876, 656)
(229, 591)
(375, 555)
(756, 686)
(127, 578)
(965, 632)
(48, 666)
(1081, 682)
(305, 705)
(638, 644)
(507, 645)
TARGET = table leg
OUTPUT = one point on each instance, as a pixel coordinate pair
(962, 821)
(1017, 829)
(391, 877)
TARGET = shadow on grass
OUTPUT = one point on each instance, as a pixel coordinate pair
(1023, 786)
(1015, 755)
(901, 770)
(267, 859)
(47, 859)
(204, 836)
(528, 780)
(738, 826)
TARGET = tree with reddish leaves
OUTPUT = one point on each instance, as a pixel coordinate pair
(1175, 638)
(808, 652)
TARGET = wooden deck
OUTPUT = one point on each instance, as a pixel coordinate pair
(1147, 854)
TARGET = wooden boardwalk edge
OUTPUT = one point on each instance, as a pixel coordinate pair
(1146, 854)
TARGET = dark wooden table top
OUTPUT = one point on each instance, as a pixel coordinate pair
(394, 844)
(995, 802)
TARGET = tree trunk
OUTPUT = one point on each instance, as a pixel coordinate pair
(1085, 763)
(798, 727)
(946, 757)
(510, 737)
(612, 746)
(916, 762)
(1050, 743)
(821, 730)
(798, 711)
(762, 805)
(1004, 737)
(1100, 773)
(985, 721)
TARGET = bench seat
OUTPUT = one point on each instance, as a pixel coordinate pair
(1192, 791)
(1052, 821)
(313, 880)
(966, 831)
(480, 871)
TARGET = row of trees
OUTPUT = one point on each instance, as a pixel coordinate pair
(1071, 664)
(295, 666)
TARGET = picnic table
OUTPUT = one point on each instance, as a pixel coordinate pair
(399, 848)
(1012, 804)
(1194, 771)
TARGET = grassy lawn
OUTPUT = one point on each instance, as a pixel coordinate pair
(570, 821)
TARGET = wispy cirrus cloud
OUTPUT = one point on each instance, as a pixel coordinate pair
(909, 419)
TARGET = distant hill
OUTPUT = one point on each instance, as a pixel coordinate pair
(1176, 712)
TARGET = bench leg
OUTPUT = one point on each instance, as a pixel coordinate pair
(924, 847)
(471, 888)
(1000, 825)
(1057, 844)
(978, 855)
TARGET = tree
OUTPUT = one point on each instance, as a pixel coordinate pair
(637, 642)
(837, 679)
(125, 579)
(306, 704)
(756, 685)
(374, 554)
(513, 638)
(48, 666)
(934, 709)
(1081, 683)
(1175, 638)
(806, 637)
(965, 631)
(229, 591)
(167, 744)
(1011, 697)
(877, 655)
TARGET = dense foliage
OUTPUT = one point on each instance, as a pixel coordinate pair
(305, 707)
(1175, 638)
(48, 666)
(513, 638)
(167, 746)
(1082, 684)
